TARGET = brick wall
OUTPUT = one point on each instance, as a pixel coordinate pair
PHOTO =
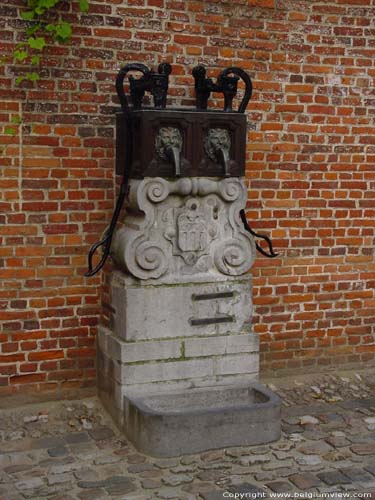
(310, 165)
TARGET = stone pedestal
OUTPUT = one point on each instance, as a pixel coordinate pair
(181, 301)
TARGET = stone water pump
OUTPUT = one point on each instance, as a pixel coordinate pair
(178, 366)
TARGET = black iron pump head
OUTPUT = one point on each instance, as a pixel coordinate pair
(225, 84)
(151, 81)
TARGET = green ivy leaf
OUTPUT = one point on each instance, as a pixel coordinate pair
(47, 4)
(16, 119)
(35, 60)
(50, 28)
(9, 131)
(20, 55)
(20, 79)
(83, 5)
(33, 77)
(63, 31)
(28, 15)
(36, 43)
(30, 31)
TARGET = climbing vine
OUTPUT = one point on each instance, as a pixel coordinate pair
(44, 24)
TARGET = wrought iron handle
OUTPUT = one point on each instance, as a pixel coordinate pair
(120, 81)
(271, 254)
(222, 82)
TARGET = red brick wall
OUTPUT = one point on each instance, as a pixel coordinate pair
(310, 164)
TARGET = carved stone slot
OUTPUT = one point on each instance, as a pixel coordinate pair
(211, 296)
(211, 321)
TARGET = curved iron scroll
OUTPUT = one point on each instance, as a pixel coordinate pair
(271, 254)
(106, 241)
(225, 84)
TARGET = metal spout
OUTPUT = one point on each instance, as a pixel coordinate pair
(223, 157)
(173, 155)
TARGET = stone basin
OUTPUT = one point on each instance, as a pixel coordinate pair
(195, 420)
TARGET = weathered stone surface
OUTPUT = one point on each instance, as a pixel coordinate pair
(94, 494)
(177, 479)
(77, 437)
(101, 433)
(246, 488)
(304, 481)
(280, 486)
(338, 441)
(136, 468)
(60, 451)
(12, 469)
(188, 224)
(316, 448)
(212, 495)
(364, 449)
(357, 475)
(309, 460)
(333, 477)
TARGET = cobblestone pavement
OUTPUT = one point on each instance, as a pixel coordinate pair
(71, 450)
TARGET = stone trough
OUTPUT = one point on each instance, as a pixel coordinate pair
(192, 421)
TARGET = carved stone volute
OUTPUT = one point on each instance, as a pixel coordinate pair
(184, 230)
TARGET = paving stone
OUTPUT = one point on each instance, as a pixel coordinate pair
(247, 488)
(305, 480)
(177, 479)
(370, 468)
(85, 474)
(135, 468)
(280, 486)
(254, 459)
(101, 433)
(60, 451)
(119, 486)
(211, 475)
(262, 476)
(338, 441)
(77, 437)
(308, 420)
(166, 463)
(210, 456)
(359, 475)
(59, 478)
(184, 468)
(149, 484)
(364, 449)
(47, 442)
(61, 469)
(309, 460)
(196, 487)
(135, 459)
(315, 434)
(28, 484)
(93, 494)
(278, 465)
(167, 493)
(107, 459)
(333, 477)
(212, 495)
(155, 473)
(62, 497)
(12, 469)
(316, 448)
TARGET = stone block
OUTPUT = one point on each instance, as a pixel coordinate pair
(216, 345)
(240, 363)
(162, 372)
(180, 310)
(132, 352)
